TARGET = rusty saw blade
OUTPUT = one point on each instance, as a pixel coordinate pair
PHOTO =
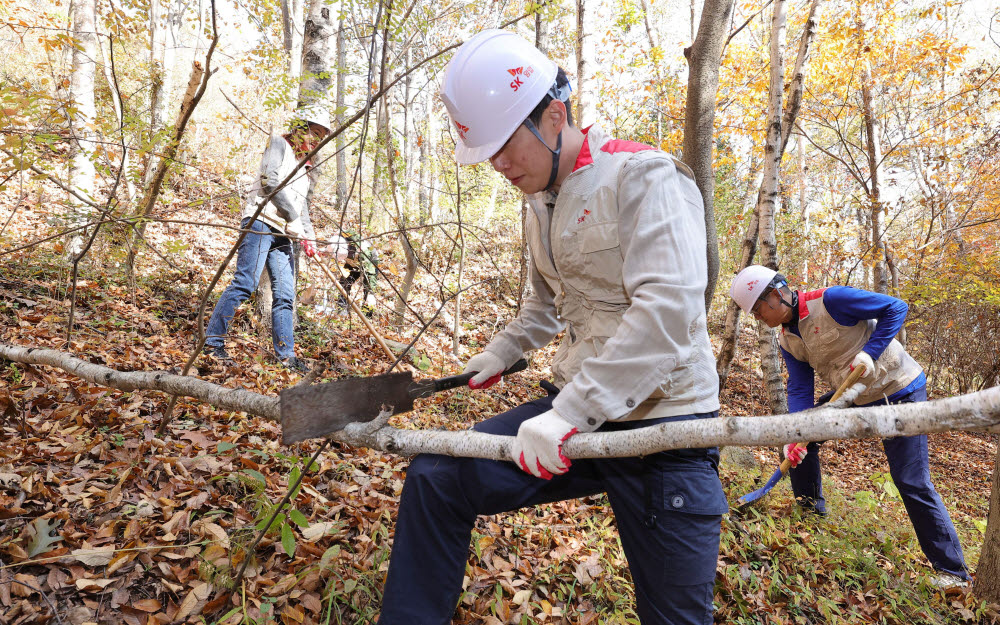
(320, 409)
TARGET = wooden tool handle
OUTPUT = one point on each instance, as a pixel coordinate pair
(371, 330)
(851, 380)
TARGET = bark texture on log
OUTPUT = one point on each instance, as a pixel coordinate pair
(975, 411)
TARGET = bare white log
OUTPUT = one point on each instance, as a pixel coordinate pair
(237, 399)
(975, 411)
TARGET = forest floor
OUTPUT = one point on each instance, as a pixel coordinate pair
(102, 521)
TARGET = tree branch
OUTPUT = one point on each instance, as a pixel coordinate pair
(975, 411)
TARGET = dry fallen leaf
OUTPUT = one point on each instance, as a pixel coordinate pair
(93, 584)
(194, 601)
(97, 556)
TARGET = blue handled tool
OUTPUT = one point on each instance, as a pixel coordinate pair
(786, 464)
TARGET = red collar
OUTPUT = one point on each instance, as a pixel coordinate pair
(584, 158)
(805, 297)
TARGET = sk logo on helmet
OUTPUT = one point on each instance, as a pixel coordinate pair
(519, 73)
(462, 129)
(751, 285)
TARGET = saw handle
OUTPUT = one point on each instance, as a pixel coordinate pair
(851, 380)
(454, 381)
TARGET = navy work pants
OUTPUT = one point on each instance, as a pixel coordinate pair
(668, 508)
(910, 471)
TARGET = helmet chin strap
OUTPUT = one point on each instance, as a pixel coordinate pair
(555, 153)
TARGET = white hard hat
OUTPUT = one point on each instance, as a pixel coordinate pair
(314, 114)
(750, 284)
(491, 85)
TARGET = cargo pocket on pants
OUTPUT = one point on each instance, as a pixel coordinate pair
(690, 515)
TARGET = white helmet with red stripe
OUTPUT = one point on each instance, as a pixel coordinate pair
(750, 284)
(491, 85)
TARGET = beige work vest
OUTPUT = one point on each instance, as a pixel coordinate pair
(829, 348)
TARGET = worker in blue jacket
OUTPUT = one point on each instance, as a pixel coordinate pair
(831, 331)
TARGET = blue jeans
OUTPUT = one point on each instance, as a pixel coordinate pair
(668, 507)
(910, 471)
(261, 247)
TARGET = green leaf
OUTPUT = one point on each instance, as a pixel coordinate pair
(257, 475)
(225, 446)
(288, 539)
(329, 555)
(298, 518)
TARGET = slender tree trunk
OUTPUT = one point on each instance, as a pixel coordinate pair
(704, 57)
(541, 33)
(82, 117)
(319, 47)
(987, 584)
(585, 47)
(341, 141)
(164, 35)
(116, 104)
(408, 131)
(978, 411)
(770, 364)
(873, 148)
(804, 211)
(433, 207)
(292, 18)
(456, 332)
(733, 323)
(769, 200)
(783, 132)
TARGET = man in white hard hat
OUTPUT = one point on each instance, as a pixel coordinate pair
(831, 331)
(617, 238)
(269, 241)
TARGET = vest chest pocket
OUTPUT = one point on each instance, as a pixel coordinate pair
(826, 337)
(598, 237)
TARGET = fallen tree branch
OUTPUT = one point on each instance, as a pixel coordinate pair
(975, 411)
(235, 399)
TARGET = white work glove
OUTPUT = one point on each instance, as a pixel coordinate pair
(538, 446)
(490, 367)
(795, 453)
(864, 359)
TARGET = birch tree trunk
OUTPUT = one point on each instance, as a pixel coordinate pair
(768, 203)
(319, 47)
(292, 18)
(408, 132)
(164, 35)
(541, 33)
(704, 56)
(82, 118)
(433, 207)
(873, 150)
(785, 123)
(585, 63)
